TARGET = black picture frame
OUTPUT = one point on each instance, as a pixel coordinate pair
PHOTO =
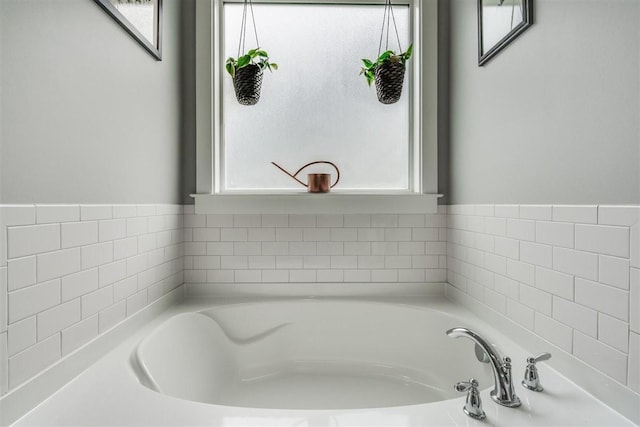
(484, 55)
(154, 49)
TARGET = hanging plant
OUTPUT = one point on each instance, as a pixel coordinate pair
(246, 71)
(388, 70)
(388, 73)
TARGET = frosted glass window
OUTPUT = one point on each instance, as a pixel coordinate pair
(316, 106)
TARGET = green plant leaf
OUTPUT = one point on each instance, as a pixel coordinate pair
(408, 53)
(370, 78)
(262, 53)
(230, 60)
(243, 61)
(252, 53)
(384, 56)
(367, 63)
(230, 68)
(274, 65)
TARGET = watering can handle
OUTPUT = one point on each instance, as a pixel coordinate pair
(294, 176)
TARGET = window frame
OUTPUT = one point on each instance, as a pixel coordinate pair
(422, 197)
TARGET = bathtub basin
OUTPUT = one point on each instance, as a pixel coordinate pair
(309, 354)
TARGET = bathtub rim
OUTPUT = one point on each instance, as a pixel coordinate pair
(26, 398)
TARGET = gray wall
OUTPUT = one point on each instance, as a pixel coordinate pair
(555, 117)
(2, 95)
(88, 116)
(188, 49)
(443, 100)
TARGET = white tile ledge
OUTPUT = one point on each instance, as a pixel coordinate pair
(240, 290)
(307, 203)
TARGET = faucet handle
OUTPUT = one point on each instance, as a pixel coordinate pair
(463, 386)
(539, 358)
(473, 405)
(531, 379)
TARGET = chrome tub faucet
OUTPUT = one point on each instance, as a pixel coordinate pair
(503, 392)
(531, 378)
(473, 405)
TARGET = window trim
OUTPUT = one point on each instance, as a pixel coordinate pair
(209, 73)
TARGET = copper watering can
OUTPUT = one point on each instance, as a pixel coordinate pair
(318, 182)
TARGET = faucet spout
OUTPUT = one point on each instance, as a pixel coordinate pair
(503, 392)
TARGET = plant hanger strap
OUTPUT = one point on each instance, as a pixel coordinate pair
(388, 14)
(243, 27)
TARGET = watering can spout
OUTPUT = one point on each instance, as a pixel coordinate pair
(318, 182)
(288, 173)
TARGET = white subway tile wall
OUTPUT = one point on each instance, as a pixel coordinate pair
(314, 248)
(70, 272)
(570, 274)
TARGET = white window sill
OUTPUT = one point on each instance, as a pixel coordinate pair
(308, 203)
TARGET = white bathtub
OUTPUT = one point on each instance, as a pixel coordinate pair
(309, 354)
(307, 362)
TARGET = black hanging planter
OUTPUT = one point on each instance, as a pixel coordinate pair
(387, 71)
(247, 83)
(389, 80)
(247, 70)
